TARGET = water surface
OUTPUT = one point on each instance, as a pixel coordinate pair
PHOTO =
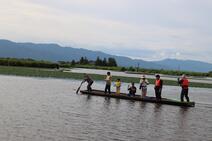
(40, 109)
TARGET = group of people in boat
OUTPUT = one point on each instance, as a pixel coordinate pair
(183, 82)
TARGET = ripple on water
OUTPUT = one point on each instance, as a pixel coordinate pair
(34, 109)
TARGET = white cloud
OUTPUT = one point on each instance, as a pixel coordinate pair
(67, 22)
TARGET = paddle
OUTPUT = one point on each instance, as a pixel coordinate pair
(79, 87)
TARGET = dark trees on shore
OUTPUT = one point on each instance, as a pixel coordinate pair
(111, 62)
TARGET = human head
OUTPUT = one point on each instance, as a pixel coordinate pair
(108, 73)
(118, 79)
(183, 76)
(133, 83)
(157, 76)
(143, 77)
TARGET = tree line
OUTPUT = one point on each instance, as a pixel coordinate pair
(110, 62)
(27, 63)
(23, 62)
(105, 63)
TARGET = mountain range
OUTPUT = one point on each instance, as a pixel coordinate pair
(55, 52)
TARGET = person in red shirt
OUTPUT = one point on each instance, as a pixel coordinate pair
(184, 83)
(158, 87)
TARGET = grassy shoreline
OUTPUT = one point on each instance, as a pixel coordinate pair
(54, 73)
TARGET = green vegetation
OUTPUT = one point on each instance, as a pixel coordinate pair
(27, 63)
(147, 71)
(174, 72)
(58, 73)
(84, 62)
(105, 64)
(111, 62)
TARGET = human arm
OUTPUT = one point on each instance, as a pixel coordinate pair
(147, 82)
(140, 86)
(178, 80)
(161, 84)
(83, 81)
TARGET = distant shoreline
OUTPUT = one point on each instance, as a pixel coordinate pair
(58, 73)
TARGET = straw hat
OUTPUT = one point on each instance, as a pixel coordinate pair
(143, 76)
(183, 76)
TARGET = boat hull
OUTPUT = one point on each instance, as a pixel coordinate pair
(139, 98)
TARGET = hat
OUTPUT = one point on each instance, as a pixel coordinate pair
(143, 76)
(183, 76)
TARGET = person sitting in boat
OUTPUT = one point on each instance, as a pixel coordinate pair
(184, 83)
(108, 81)
(132, 89)
(88, 79)
(158, 87)
(143, 86)
(118, 86)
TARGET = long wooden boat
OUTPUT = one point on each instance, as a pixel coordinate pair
(139, 98)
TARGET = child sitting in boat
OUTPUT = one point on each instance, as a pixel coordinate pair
(132, 89)
(143, 86)
(118, 86)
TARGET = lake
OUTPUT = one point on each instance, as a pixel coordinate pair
(47, 109)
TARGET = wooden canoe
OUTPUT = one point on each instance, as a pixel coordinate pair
(139, 98)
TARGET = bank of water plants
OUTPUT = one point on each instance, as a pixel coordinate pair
(59, 73)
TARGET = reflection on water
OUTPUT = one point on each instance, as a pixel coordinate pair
(33, 109)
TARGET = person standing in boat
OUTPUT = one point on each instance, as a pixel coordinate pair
(108, 81)
(184, 83)
(132, 89)
(143, 86)
(158, 87)
(88, 79)
(118, 86)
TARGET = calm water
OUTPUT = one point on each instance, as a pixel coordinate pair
(37, 109)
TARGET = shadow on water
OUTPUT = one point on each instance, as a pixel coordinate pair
(182, 123)
(157, 115)
(143, 104)
(88, 97)
(117, 101)
(183, 112)
(107, 101)
(157, 107)
(131, 104)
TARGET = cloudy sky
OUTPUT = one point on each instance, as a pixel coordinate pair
(146, 29)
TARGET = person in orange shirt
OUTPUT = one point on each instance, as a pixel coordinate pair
(158, 87)
(184, 83)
